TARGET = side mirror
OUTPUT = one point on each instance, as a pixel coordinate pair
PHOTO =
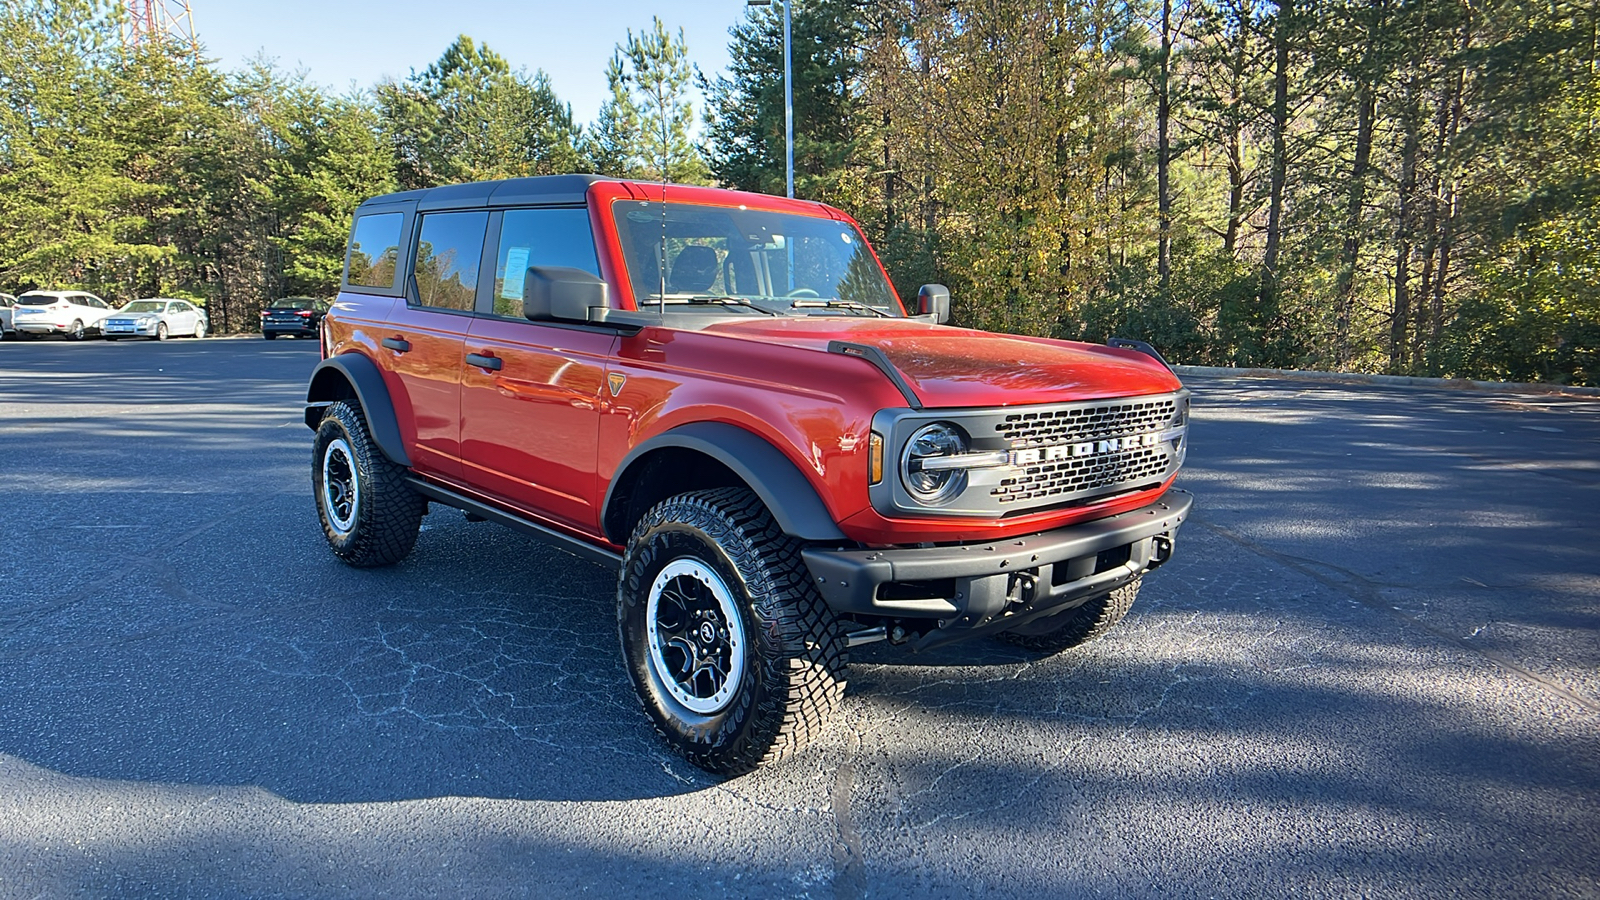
(562, 293)
(934, 300)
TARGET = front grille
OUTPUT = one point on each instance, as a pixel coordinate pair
(1101, 420)
(1064, 479)
(1049, 481)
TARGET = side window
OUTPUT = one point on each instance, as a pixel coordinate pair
(539, 237)
(374, 247)
(449, 250)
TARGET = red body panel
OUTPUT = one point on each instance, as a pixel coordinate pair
(528, 430)
(957, 367)
(547, 432)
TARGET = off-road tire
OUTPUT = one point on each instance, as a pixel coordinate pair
(385, 513)
(1078, 625)
(794, 654)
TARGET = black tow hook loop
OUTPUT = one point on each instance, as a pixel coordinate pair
(1023, 587)
(1160, 550)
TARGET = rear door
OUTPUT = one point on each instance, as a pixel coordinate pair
(423, 338)
(180, 317)
(532, 392)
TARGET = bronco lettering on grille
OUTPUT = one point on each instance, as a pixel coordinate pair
(1035, 455)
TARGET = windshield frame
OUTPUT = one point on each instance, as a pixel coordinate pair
(808, 226)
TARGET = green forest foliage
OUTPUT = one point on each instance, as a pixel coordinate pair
(1404, 186)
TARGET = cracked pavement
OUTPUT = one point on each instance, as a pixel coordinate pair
(1371, 669)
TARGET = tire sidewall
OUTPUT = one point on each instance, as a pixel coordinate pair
(331, 430)
(698, 735)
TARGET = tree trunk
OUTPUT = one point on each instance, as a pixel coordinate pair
(1344, 286)
(1350, 254)
(1233, 139)
(1449, 199)
(1164, 149)
(1280, 162)
(1399, 324)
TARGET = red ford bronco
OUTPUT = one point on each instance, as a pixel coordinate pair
(720, 395)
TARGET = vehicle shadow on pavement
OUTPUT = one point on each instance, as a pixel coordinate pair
(485, 665)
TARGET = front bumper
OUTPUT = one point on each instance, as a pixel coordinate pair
(970, 589)
(296, 329)
(129, 329)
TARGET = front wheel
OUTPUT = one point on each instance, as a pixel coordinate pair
(735, 656)
(199, 329)
(1078, 625)
(370, 516)
(161, 331)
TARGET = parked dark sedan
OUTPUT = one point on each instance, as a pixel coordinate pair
(299, 316)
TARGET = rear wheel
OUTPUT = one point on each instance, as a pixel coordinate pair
(268, 335)
(76, 332)
(370, 516)
(1075, 626)
(735, 656)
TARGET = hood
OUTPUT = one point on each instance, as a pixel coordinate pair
(959, 367)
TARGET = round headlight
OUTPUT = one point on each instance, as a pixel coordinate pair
(932, 486)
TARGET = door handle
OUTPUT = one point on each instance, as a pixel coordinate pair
(484, 362)
(397, 345)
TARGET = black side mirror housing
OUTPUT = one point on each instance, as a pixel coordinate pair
(562, 293)
(934, 300)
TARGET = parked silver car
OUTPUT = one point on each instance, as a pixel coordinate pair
(7, 304)
(158, 318)
(72, 313)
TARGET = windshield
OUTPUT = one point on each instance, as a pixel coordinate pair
(293, 303)
(779, 262)
(144, 306)
(37, 300)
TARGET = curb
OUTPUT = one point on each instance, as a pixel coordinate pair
(1460, 384)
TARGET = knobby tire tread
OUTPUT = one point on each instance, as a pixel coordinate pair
(389, 515)
(810, 650)
(1083, 624)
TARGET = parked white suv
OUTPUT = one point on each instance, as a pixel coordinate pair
(72, 313)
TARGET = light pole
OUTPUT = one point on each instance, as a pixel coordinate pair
(788, 95)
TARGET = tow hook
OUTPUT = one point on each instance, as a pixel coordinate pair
(1160, 550)
(1022, 588)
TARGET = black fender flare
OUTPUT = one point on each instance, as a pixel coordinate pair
(364, 377)
(790, 498)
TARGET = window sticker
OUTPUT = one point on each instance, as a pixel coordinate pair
(516, 271)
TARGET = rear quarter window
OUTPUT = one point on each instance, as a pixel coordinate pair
(374, 250)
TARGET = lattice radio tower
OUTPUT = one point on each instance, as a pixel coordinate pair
(152, 21)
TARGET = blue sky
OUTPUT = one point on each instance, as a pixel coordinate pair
(338, 42)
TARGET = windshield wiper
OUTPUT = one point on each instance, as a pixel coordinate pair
(839, 304)
(704, 300)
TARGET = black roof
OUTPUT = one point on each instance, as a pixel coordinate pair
(510, 192)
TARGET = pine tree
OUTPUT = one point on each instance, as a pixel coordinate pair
(643, 130)
(745, 140)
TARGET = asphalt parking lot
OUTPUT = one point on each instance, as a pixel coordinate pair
(1372, 670)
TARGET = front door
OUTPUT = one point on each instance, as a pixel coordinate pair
(532, 392)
